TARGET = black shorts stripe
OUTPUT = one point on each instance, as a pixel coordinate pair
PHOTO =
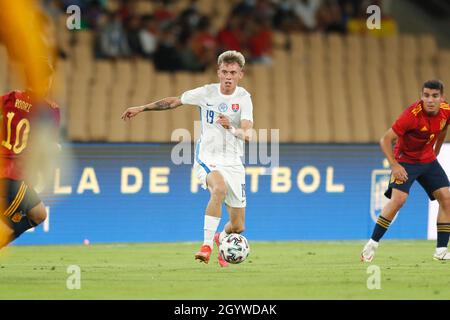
(19, 197)
(17, 200)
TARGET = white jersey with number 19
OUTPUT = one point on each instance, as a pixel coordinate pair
(217, 146)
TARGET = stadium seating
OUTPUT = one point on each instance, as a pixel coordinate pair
(326, 89)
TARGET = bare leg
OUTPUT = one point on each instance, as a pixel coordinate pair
(397, 201)
(37, 214)
(388, 213)
(6, 233)
(236, 224)
(218, 191)
(442, 195)
(10, 232)
(237, 220)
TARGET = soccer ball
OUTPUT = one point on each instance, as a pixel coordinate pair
(234, 248)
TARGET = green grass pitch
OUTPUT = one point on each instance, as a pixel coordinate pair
(274, 270)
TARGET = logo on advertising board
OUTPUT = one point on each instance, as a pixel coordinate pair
(379, 184)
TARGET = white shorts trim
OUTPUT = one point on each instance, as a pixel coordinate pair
(234, 177)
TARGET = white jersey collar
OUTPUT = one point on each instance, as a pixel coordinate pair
(227, 95)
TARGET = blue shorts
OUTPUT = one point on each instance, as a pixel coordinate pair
(431, 177)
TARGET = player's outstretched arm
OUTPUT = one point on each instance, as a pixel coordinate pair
(386, 143)
(163, 104)
(440, 140)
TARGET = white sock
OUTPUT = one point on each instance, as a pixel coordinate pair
(441, 250)
(222, 235)
(211, 225)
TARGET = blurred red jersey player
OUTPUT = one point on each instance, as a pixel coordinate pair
(26, 117)
(419, 133)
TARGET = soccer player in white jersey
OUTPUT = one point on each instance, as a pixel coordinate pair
(226, 113)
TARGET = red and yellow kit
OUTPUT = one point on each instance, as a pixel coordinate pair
(418, 132)
(20, 115)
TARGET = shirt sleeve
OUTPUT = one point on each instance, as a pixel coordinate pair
(447, 113)
(247, 109)
(5, 98)
(404, 123)
(194, 96)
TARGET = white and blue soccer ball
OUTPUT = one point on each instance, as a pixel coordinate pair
(234, 248)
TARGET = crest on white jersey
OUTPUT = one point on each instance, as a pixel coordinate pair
(223, 107)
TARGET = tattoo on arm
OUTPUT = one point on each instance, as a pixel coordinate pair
(159, 105)
(162, 105)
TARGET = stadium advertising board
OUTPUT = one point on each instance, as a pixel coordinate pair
(134, 193)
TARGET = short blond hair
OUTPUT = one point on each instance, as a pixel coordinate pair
(231, 56)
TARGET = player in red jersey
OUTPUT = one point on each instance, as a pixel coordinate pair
(24, 116)
(419, 132)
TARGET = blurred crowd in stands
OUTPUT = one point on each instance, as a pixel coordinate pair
(188, 41)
